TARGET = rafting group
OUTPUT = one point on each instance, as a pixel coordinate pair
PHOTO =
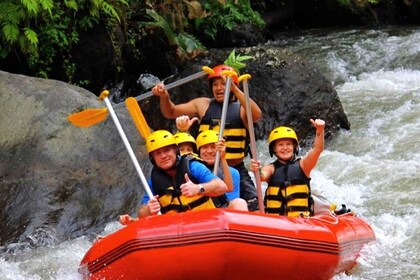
(209, 203)
(186, 174)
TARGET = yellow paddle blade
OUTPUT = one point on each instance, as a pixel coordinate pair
(88, 117)
(137, 115)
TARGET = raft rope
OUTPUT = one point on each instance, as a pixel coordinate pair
(334, 220)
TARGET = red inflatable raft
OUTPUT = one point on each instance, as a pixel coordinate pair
(222, 244)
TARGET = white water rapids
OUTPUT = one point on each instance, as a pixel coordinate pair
(374, 168)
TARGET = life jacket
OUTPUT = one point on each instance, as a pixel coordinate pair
(288, 192)
(235, 132)
(170, 195)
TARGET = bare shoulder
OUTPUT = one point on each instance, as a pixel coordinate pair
(202, 104)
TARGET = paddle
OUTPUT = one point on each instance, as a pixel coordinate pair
(137, 116)
(228, 73)
(245, 79)
(91, 117)
(104, 96)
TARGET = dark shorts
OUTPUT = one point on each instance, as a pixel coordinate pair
(248, 189)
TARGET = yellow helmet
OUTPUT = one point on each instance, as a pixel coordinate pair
(184, 137)
(282, 132)
(159, 139)
(207, 137)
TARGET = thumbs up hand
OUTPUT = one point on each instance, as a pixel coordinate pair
(183, 123)
(189, 189)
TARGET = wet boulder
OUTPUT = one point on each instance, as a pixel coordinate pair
(57, 180)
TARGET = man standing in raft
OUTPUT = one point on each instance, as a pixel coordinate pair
(288, 192)
(208, 112)
(179, 183)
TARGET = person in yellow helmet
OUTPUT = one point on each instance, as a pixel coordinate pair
(178, 184)
(288, 192)
(185, 142)
(208, 112)
(208, 144)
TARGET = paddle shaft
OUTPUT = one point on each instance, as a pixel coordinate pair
(168, 87)
(253, 144)
(128, 147)
(222, 122)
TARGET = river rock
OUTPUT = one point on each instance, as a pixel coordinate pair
(59, 181)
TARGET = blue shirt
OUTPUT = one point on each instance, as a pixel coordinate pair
(198, 170)
(236, 184)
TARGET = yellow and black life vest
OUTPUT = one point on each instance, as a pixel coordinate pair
(220, 201)
(235, 133)
(170, 196)
(288, 192)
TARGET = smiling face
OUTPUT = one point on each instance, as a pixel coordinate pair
(218, 89)
(284, 149)
(208, 153)
(165, 157)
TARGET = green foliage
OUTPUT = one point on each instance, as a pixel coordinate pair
(236, 61)
(227, 14)
(187, 45)
(44, 31)
(208, 16)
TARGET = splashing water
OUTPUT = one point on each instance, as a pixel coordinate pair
(373, 168)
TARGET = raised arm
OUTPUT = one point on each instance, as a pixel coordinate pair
(192, 108)
(310, 160)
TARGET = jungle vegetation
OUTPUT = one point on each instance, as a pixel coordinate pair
(43, 32)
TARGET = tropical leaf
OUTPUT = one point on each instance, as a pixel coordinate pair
(11, 32)
(31, 5)
(236, 61)
(72, 5)
(162, 23)
(110, 11)
(189, 43)
(47, 5)
(31, 36)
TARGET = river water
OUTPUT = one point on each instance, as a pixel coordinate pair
(374, 168)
